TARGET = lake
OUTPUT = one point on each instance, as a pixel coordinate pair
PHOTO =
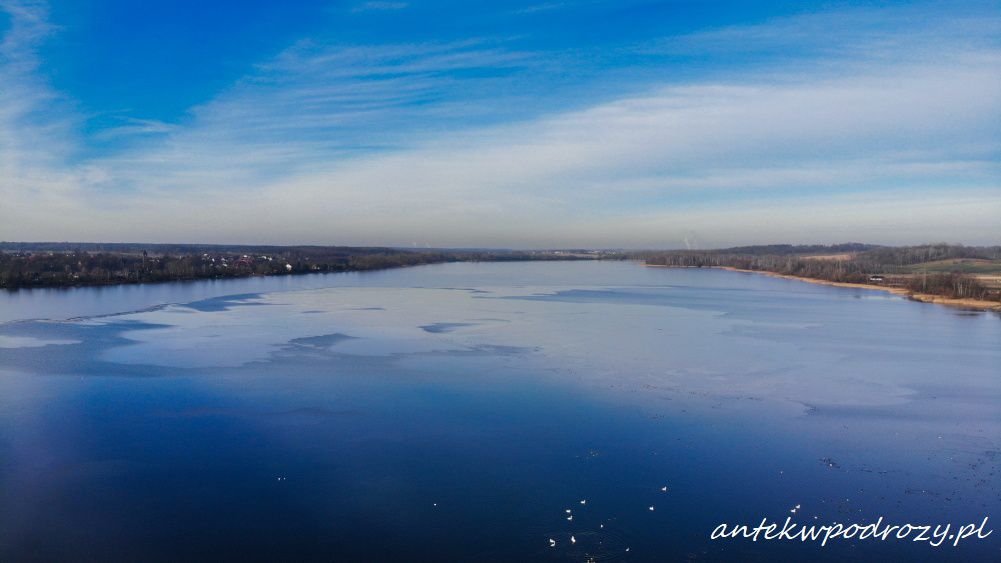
(457, 412)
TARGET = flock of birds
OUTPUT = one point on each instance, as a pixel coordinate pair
(569, 516)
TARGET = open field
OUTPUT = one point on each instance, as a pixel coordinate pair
(830, 257)
(976, 266)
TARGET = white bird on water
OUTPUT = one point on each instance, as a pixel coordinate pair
(570, 518)
(583, 501)
(573, 539)
(651, 509)
(664, 489)
(552, 542)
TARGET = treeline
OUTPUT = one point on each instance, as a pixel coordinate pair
(954, 285)
(908, 255)
(52, 265)
(847, 263)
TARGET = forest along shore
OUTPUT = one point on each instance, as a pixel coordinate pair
(953, 275)
(66, 264)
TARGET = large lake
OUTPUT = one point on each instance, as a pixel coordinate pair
(456, 412)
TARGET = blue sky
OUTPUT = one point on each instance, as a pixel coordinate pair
(521, 124)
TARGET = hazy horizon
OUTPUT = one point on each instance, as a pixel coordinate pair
(475, 248)
(521, 126)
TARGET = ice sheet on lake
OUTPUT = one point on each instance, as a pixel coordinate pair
(703, 344)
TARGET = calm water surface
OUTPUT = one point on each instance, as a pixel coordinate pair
(456, 412)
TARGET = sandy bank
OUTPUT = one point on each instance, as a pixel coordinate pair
(977, 304)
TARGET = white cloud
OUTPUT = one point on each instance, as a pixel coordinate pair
(133, 126)
(542, 7)
(37, 129)
(875, 150)
(369, 6)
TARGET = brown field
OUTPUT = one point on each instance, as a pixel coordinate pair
(842, 256)
(974, 266)
(990, 280)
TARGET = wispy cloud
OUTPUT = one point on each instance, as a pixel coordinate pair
(130, 126)
(870, 33)
(543, 7)
(389, 144)
(369, 6)
(38, 126)
(315, 104)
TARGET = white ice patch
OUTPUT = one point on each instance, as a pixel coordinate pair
(31, 342)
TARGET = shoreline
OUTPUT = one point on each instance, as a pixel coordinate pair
(93, 282)
(974, 304)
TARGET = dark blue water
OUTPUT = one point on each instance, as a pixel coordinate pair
(455, 412)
